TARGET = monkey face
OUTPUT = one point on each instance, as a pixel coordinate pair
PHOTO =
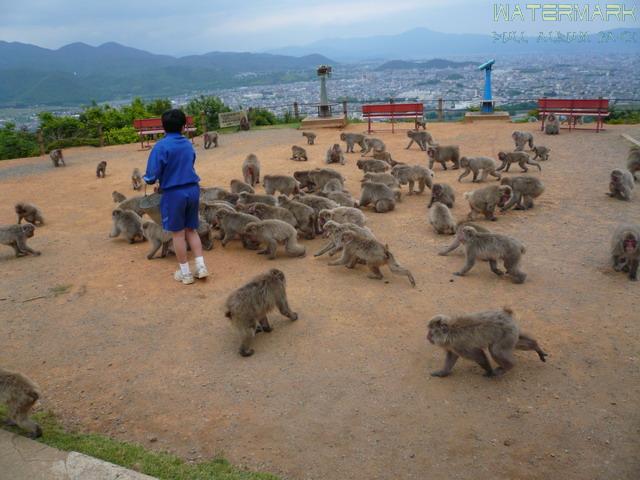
(431, 152)
(505, 196)
(502, 156)
(630, 243)
(438, 329)
(28, 230)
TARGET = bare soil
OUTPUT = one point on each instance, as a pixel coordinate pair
(345, 392)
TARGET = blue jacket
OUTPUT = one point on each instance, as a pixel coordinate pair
(172, 162)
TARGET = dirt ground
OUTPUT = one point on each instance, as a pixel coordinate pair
(345, 392)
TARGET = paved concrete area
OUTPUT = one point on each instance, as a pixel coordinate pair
(22, 458)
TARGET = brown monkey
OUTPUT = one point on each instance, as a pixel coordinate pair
(298, 154)
(492, 247)
(19, 394)
(485, 200)
(422, 139)
(29, 212)
(280, 183)
(380, 196)
(343, 199)
(232, 225)
(621, 184)
(521, 139)
(421, 123)
(244, 124)
(209, 210)
(443, 154)
(251, 170)
(374, 254)
(320, 176)
(133, 204)
(475, 164)
(625, 249)
(117, 197)
(524, 190)
(386, 157)
(268, 212)
(316, 202)
(342, 215)
(305, 216)
(410, 174)
(443, 193)
(333, 185)
(541, 153)
(238, 186)
(372, 165)
(334, 155)
(374, 144)
(127, 222)
(333, 230)
(441, 219)
(101, 169)
(210, 138)
(633, 161)
(248, 306)
(157, 237)
(552, 125)
(247, 198)
(310, 136)
(521, 158)
(456, 242)
(205, 232)
(136, 179)
(210, 194)
(351, 139)
(57, 157)
(304, 179)
(272, 232)
(469, 335)
(385, 178)
(15, 236)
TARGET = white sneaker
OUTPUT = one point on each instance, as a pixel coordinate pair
(201, 272)
(185, 279)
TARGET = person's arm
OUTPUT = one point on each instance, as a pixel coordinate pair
(154, 166)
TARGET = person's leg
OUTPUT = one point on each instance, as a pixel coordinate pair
(180, 245)
(172, 207)
(194, 242)
(192, 220)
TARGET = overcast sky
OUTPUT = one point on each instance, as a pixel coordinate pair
(198, 26)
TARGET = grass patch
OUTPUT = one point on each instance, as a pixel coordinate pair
(135, 456)
(60, 289)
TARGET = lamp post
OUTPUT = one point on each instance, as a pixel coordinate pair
(324, 109)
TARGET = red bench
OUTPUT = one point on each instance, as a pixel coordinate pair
(393, 111)
(148, 127)
(573, 109)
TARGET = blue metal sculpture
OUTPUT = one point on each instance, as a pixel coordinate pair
(487, 101)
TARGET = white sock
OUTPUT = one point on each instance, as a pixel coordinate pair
(200, 262)
(184, 268)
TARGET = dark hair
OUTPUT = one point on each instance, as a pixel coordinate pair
(173, 120)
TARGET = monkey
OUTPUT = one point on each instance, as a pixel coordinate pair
(238, 186)
(469, 335)
(205, 232)
(421, 123)
(410, 174)
(492, 247)
(524, 189)
(251, 170)
(57, 157)
(351, 139)
(316, 202)
(210, 194)
(29, 212)
(625, 249)
(272, 232)
(374, 254)
(385, 178)
(332, 230)
(246, 198)
(298, 154)
(209, 210)
(443, 193)
(633, 161)
(310, 136)
(157, 237)
(133, 204)
(127, 222)
(374, 144)
(485, 200)
(334, 155)
(541, 153)
(386, 157)
(248, 306)
(552, 125)
(320, 176)
(342, 215)
(19, 393)
(117, 197)
(210, 138)
(101, 169)
(232, 225)
(422, 139)
(244, 124)
(521, 139)
(456, 242)
(305, 216)
(343, 199)
(382, 197)
(521, 158)
(333, 185)
(441, 219)
(621, 184)
(267, 212)
(372, 165)
(136, 179)
(15, 236)
(304, 179)
(443, 154)
(475, 164)
(282, 183)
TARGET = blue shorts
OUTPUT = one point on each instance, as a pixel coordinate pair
(179, 207)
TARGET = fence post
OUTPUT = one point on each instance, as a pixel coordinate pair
(440, 110)
(203, 122)
(344, 109)
(40, 142)
(100, 135)
(296, 110)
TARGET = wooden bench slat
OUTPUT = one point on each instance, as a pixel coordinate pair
(392, 111)
(153, 126)
(575, 107)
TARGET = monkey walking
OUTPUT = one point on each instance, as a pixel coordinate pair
(29, 213)
(15, 236)
(19, 394)
(621, 184)
(251, 170)
(101, 169)
(469, 335)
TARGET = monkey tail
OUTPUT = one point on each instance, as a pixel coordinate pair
(507, 310)
(227, 314)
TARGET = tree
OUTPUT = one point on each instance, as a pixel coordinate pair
(211, 106)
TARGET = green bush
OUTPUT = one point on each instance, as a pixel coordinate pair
(17, 143)
(262, 116)
(625, 116)
(211, 106)
(118, 136)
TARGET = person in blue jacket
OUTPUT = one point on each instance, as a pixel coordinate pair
(171, 163)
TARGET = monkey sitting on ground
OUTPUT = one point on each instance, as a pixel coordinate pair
(117, 197)
(334, 155)
(247, 198)
(298, 154)
(621, 184)
(468, 336)
(372, 165)
(521, 158)
(15, 236)
(342, 215)
(521, 139)
(280, 183)
(127, 222)
(251, 170)
(268, 212)
(19, 394)
(333, 230)
(633, 161)
(421, 123)
(304, 179)
(386, 157)
(310, 136)
(552, 125)
(625, 250)
(29, 212)
(541, 153)
(443, 154)
(210, 138)
(384, 178)
(210, 194)
(248, 306)
(157, 237)
(320, 176)
(475, 164)
(357, 248)
(523, 190)
(441, 219)
(456, 242)
(273, 232)
(333, 185)
(410, 174)
(232, 225)
(238, 186)
(485, 200)
(136, 179)
(443, 193)
(351, 139)
(101, 169)
(422, 139)
(57, 157)
(343, 199)
(244, 124)
(492, 247)
(316, 202)
(380, 196)
(305, 216)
